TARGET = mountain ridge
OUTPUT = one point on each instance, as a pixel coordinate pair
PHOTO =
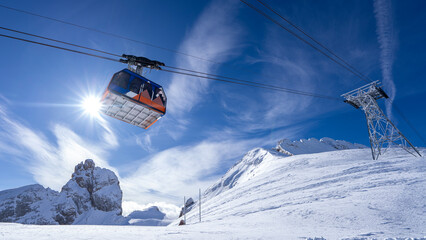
(335, 194)
(91, 196)
(285, 147)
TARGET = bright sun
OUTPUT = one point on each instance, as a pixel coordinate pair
(91, 106)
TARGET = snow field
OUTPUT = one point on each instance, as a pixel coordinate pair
(268, 195)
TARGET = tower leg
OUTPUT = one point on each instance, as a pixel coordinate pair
(382, 132)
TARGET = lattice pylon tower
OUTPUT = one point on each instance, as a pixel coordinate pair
(383, 133)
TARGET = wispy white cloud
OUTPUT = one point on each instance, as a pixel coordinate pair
(386, 38)
(282, 65)
(169, 175)
(161, 179)
(109, 137)
(175, 172)
(51, 162)
(215, 37)
(145, 143)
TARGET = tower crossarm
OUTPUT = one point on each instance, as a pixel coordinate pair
(356, 96)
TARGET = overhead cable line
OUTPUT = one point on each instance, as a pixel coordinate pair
(58, 47)
(257, 83)
(314, 40)
(106, 33)
(407, 121)
(204, 75)
(342, 62)
(58, 41)
(304, 40)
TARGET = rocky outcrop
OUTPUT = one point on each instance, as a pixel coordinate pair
(30, 204)
(188, 206)
(91, 196)
(89, 188)
(313, 145)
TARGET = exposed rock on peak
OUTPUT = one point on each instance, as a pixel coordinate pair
(189, 204)
(29, 204)
(101, 184)
(313, 145)
(91, 191)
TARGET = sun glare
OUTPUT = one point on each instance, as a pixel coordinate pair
(91, 105)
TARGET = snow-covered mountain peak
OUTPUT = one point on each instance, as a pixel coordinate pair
(84, 168)
(83, 174)
(149, 213)
(91, 196)
(99, 184)
(249, 166)
(151, 216)
(313, 145)
(335, 194)
(254, 157)
(255, 161)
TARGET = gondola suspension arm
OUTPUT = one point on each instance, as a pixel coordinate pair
(136, 64)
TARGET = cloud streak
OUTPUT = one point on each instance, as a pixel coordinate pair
(214, 37)
(51, 162)
(169, 174)
(280, 63)
(386, 38)
(160, 179)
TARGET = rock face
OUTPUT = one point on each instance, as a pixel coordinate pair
(32, 204)
(91, 196)
(188, 206)
(313, 145)
(90, 188)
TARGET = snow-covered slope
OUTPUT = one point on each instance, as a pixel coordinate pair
(339, 194)
(91, 196)
(333, 194)
(247, 167)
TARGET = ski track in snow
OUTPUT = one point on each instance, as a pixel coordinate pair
(335, 195)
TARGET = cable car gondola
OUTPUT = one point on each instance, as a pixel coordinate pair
(133, 98)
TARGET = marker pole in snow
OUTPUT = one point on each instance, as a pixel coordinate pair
(199, 203)
(184, 209)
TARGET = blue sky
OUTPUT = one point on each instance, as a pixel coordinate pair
(209, 125)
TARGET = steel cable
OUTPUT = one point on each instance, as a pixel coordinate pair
(314, 40)
(105, 33)
(303, 40)
(191, 72)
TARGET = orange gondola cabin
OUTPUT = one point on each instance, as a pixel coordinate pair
(134, 99)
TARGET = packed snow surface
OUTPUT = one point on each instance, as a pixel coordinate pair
(335, 195)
